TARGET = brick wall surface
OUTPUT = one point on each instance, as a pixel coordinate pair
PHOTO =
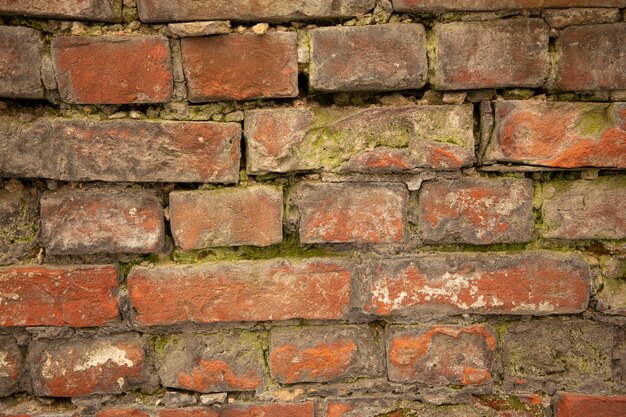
(346, 208)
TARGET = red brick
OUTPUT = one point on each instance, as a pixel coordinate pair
(212, 363)
(352, 212)
(241, 66)
(105, 220)
(463, 355)
(476, 211)
(252, 11)
(121, 150)
(21, 51)
(227, 217)
(122, 412)
(505, 53)
(323, 354)
(587, 209)
(568, 404)
(81, 367)
(189, 412)
(380, 140)
(592, 58)
(536, 283)
(113, 69)
(76, 296)
(368, 58)
(93, 10)
(241, 291)
(11, 365)
(490, 5)
(19, 223)
(271, 410)
(558, 135)
(561, 18)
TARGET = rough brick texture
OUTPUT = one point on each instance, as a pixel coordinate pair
(392, 139)
(227, 217)
(241, 291)
(93, 221)
(77, 296)
(11, 365)
(558, 135)
(323, 354)
(537, 283)
(121, 150)
(508, 53)
(476, 211)
(248, 10)
(612, 297)
(19, 223)
(96, 10)
(213, 363)
(20, 62)
(592, 58)
(578, 405)
(441, 355)
(561, 18)
(370, 58)
(113, 69)
(352, 213)
(264, 66)
(593, 209)
(102, 365)
(487, 5)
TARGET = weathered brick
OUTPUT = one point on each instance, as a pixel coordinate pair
(386, 139)
(241, 291)
(81, 367)
(113, 69)
(463, 355)
(368, 58)
(535, 283)
(504, 53)
(555, 354)
(263, 67)
(567, 404)
(249, 10)
(558, 135)
(123, 412)
(324, 354)
(76, 296)
(227, 217)
(591, 57)
(476, 211)
(94, 10)
(585, 209)
(21, 51)
(560, 18)
(121, 150)
(612, 297)
(106, 220)
(221, 362)
(352, 212)
(490, 5)
(11, 365)
(19, 223)
(266, 410)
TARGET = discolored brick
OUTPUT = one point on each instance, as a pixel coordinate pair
(19, 223)
(227, 217)
(368, 58)
(490, 5)
(441, 355)
(612, 296)
(263, 67)
(93, 10)
(476, 211)
(106, 220)
(81, 367)
(536, 283)
(352, 212)
(496, 54)
(121, 150)
(558, 135)
(113, 69)
(323, 354)
(377, 140)
(11, 366)
(21, 50)
(561, 18)
(76, 296)
(241, 291)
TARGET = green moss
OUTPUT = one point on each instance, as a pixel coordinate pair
(593, 122)
(160, 343)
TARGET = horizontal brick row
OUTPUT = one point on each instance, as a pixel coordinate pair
(488, 5)
(233, 360)
(466, 55)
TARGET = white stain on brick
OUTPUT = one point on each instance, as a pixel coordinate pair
(102, 354)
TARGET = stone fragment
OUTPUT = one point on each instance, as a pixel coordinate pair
(191, 29)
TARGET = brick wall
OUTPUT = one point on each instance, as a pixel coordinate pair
(347, 208)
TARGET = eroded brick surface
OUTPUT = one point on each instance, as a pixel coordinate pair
(488, 5)
(561, 18)
(96, 10)
(19, 223)
(569, 404)
(11, 365)
(21, 51)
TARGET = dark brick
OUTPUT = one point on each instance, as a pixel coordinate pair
(93, 10)
(11, 366)
(19, 223)
(490, 5)
(21, 51)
